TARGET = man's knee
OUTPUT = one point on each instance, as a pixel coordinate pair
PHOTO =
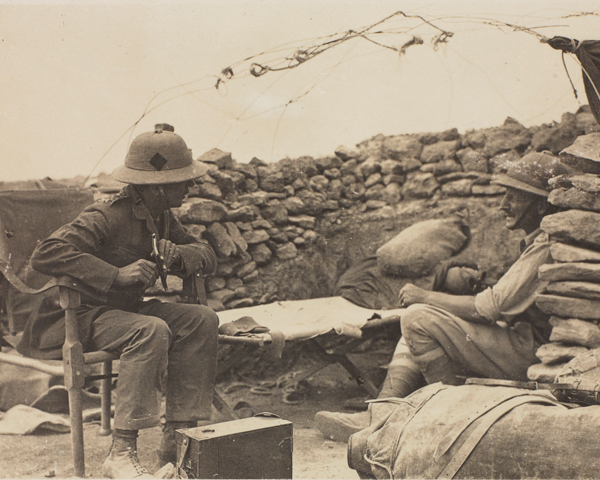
(154, 330)
(414, 319)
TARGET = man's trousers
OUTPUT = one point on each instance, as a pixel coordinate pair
(163, 347)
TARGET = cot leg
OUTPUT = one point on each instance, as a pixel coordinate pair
(105, 398)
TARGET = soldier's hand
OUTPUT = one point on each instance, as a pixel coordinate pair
(142, 271)
(168, 252)
(410, 294)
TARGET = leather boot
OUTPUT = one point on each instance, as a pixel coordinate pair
(167, 451)
(338, 426)
(122, 460)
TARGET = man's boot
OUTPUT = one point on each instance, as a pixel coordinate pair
(339, 426)
(167, 451)
(122, 460)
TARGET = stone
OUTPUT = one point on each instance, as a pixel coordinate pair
(588, 183)
(276, 214)
(250, 185)
(543, 373)
(224, 181)
(222, 296)
(574, 198)
(583, 154)
(475, 139)
(313, 201)
(247, 213)
(272, 182)
(277, 235)
(328, 163)
(307, 166)
(251, 277)
(332, 173)
(420, 185)
(200, 210)
(206, 190)
(246, 270)
(375, 192)
(319, 182)
(503, 161)
(450, 134)
(255, 236)
(299, 184)
(240, 292)
(335, 190)
(575, 331)
(392, 193)
(310, 236)
(392, 167)
(213, 283)
(586, 122)
(289, 191)
(246, 169)
(511, 135)
(579, 272)
(557, 352)
(400, 147)
(233, 283)
(487, 190)
(576, 226)
(349, 167)
(345, 153)
(439, 151)
(348, 180)
(373, 179)
(261, 254)
(587, 290)
(392, 178)
(236, 236)
(289, 170)
(472, 160)
(243, 226)
(197, 230)
(555, 138)
(369, 167)
(286, 251)
(261, 223)
(355, 191)
(559, 306)
(458, 188)
(220, 241)
(562, 252)
(303, 221)
(255, 198)
(331, 205)
(442, 167)
(240, 303)
(257, 162)
(428, 138)
(299, 241)
(217, 157)
(225, 269)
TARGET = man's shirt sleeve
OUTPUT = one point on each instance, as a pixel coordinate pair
(516, 291)
(70, 251)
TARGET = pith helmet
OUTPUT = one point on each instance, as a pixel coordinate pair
(159, 157)
(531, 173)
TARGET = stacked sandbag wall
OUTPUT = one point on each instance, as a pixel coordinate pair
(287, 230)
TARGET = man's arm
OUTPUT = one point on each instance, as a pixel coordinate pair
(462, 306)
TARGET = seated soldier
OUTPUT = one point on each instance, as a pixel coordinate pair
(162, 346)
(493, 334)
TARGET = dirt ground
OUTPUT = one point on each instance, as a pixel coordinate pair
(314, 457)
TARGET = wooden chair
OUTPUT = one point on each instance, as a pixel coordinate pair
(26, 218)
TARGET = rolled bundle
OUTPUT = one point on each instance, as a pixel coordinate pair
(572, 297)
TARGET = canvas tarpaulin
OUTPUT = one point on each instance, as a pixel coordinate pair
(588, 54)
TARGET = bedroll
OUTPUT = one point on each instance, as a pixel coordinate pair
(476, 431)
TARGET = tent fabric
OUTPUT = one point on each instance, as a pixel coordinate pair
(588, 53)
(26, 218)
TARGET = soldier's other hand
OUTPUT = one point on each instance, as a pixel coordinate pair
(142, 271)
(410, 294)
(168, 252)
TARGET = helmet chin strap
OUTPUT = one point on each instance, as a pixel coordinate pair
(162, 197)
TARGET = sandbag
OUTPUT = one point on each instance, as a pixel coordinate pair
(416, 250)
(477, 431)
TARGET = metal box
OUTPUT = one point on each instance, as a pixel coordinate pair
(256, 447)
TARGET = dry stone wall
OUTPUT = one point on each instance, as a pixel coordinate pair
(287, 230)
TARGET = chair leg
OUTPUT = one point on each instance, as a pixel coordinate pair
(76, 416)
(106, 400)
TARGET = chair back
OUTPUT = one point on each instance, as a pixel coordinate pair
(26, 218)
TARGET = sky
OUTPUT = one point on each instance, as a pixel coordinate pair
(80, 79)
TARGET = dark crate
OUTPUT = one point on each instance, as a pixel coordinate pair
(256, 447)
